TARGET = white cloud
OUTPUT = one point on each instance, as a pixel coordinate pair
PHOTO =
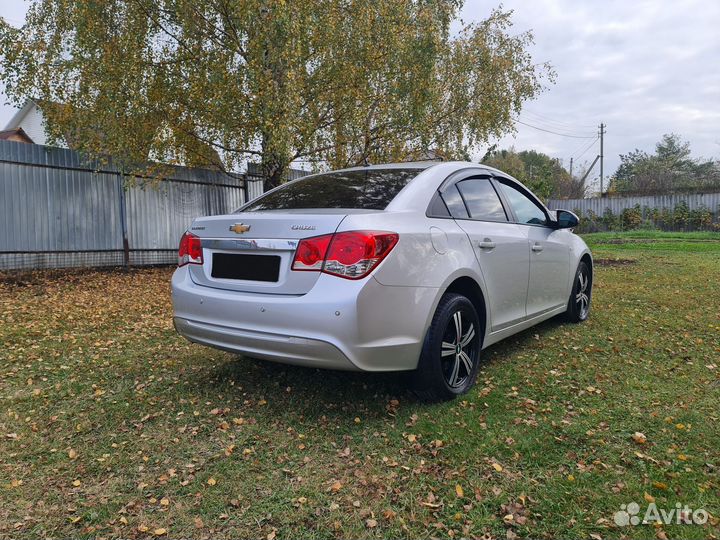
(644, 68)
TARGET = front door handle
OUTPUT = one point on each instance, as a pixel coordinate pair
(537, 248)
(486, 244)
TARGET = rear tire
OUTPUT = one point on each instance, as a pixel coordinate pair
(578, 308)
(450, 356)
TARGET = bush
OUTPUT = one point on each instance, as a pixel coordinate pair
(631, 218)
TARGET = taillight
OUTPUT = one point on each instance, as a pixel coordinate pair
(310, 253)
(190, 251)
(351, 254)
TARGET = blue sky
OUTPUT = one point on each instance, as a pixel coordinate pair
(644, 68)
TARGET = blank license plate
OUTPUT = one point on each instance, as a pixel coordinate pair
(246, 267)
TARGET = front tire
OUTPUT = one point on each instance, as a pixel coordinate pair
(450, 357)
(578, 308)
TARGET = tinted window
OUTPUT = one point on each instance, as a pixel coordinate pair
(371, 189)
(526, 211)
(454, 202)
(481, 200)
(437, 207)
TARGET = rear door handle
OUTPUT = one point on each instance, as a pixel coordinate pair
(486, 244)
(537, 248)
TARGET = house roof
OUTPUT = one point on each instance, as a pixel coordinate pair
(8, 134)
(20, 114)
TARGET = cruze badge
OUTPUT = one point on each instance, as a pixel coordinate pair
(239, 228)
(303, 227)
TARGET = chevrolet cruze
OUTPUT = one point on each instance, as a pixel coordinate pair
(404, 267)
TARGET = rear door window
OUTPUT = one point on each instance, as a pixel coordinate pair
(370, 189)
(482, 200)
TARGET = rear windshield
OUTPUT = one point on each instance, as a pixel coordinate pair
(371, 189)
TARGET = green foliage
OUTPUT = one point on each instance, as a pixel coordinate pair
(220, 82)
(631, 218)
(670, 169)
(679, 218)
(544, 175)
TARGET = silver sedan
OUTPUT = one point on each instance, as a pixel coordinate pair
(403, 267)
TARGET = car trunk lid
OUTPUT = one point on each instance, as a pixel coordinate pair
(253, 251)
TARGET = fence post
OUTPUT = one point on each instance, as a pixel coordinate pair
(123, 222)
(246, 191)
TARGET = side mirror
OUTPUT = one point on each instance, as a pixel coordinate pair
(566, 219)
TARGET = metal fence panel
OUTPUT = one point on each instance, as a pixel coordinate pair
(618, 204)
(677, 211)
(58, 209)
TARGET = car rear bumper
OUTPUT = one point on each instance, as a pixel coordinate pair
(352, 325)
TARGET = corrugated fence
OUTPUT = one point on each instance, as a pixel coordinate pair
(599, 206)
(675, 212)
(58, 210)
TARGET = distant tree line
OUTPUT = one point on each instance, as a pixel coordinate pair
(670, 169)
(545, 176)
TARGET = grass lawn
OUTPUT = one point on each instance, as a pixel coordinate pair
(112, 425)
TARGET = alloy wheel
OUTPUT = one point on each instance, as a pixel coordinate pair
(459, 350)
(582, 294)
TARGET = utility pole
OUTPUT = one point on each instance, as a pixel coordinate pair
(602, 177)
(571, 164)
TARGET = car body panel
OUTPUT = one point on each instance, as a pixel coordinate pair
(379, 322)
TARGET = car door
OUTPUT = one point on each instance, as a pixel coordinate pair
(548, 249)
(500, 246)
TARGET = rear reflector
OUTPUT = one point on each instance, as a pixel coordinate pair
(190, 251)
(351, 254)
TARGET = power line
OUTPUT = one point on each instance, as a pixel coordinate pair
(555, 132)
(568, 125)
(588, 147)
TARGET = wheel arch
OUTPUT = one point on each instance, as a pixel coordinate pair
(470, 289)
(587, 259)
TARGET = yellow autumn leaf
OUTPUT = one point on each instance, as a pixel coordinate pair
(211, 481)
(639, 438)
(337, 486)
(412, 438)
(649, 498)
(160, 531)
(72, 454)
(165, 501)
(76, 483)
(459, 491)
(660, 485)
(497, 467)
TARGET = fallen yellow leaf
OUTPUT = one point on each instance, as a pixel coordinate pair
(159, 532)
(497, 467)
(337, 486)
(72, 454)
(165, 501)
(211, 481)
(649, 498)
(459, 491)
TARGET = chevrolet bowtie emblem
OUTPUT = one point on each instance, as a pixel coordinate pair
(239, 228)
